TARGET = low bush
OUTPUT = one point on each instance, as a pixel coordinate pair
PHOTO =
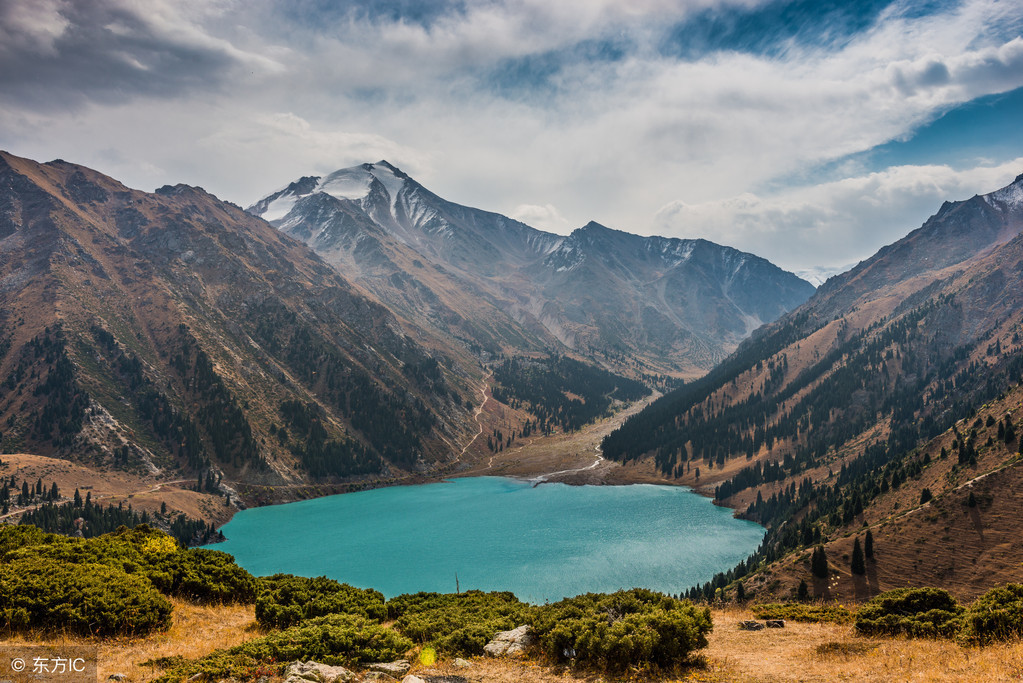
(794, 611)
(633, 628)
(337, 639)
(996, 615)
(916, 612)
(196, 574)
(284, 600)
(457, 623)
(87, 599)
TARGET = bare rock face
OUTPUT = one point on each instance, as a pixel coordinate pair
(512, 643)
(314, 672)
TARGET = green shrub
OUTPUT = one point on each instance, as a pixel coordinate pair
(794, 611)
(629, 628)
(206, 576)
(196, 574)
(916, 612)
(996, 615)
(285, 600)
(14, 537)
(457, 623)
(88, 599)
(337, 639)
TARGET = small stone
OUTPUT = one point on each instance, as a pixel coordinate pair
(751, 625)
(377, 676)
(461, 663)
(775, 623)
(412, 679)
(117, 677)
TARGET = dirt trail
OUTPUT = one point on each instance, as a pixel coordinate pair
(476, 416)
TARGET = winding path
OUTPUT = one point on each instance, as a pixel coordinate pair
(476, 416)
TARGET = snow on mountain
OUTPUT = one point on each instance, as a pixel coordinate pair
(683, 302)
(1010, 196)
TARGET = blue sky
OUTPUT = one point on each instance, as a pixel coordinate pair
(811, 132)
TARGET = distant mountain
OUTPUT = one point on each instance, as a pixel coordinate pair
(499, 284)
(173, 331)
(826, 411)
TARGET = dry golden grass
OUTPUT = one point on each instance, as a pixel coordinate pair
(799, 652)
(832, 652)
(196, 631)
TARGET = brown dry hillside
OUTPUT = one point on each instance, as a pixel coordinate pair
(945, 541)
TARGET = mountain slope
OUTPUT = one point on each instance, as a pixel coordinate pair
(892, 348)
(175, 331)
(854, 393)
(677, 305)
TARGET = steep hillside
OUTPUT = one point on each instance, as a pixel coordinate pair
(945, 514)
(807, 415)
(172, 331)
(652, 304)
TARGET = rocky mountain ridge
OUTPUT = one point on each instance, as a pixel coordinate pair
(671, 304)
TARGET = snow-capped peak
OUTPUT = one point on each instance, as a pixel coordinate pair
(1011, 195)
(355, 184)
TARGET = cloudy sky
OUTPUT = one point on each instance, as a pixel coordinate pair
(811, 132)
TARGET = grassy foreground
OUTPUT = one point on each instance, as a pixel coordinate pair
(799, 652)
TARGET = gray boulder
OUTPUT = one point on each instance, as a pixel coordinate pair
(314, 672)
(512, 643)
(397, 668)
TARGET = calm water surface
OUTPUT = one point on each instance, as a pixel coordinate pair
(542, 543)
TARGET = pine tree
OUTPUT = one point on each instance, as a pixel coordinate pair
(868, 545)
(78, 498)
(925, 495)
(819, 563)
(972, 500)
(803, 593)
(857, 565)
(740, 592)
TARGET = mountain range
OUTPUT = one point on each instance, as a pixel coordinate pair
(173, 332)
(666, 305)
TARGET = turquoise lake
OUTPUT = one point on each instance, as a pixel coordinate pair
(542, 543)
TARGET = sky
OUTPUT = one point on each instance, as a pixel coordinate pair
(809, 132)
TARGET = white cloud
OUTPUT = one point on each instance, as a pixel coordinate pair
(615, 141)
(848, 219)
(34, 26)
(546, 217)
